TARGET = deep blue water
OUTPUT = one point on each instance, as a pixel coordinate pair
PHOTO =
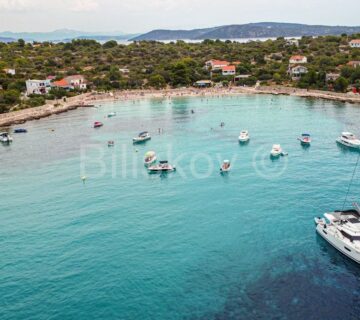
(187, 245)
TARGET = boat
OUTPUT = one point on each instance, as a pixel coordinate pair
(5, 137)
(341, 229)
(150, 158)
(20, 130)
(142, 137)
(348, 139)
(163, 166)
(226, 166)
(111, 143)
(244, 136)
(276, 150)
(98, 124)
(305, 139)
(111, 114)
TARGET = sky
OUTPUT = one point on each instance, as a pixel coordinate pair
(137, 16)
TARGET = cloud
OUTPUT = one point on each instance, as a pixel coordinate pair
(84, 5)
(17, 5)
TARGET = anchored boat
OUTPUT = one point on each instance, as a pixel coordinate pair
(305, 139)
(150, 158)
(111, 114)
(244, 136)
(163, 166)
(348, 139)
(5, 137)
(98, 124)
(142, 137)
(20, 130)
(226, 166)
(342, 230)
(276, 151)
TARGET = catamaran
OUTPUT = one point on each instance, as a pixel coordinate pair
(342, 230)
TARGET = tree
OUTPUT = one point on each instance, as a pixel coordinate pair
(157, 81)
(341, 84)
(110, 44)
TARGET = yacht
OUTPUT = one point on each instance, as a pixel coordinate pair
(226, 166)
(348, 139)
(163, 166)
(276, 150)
(98, 124)
(342, 230)
(150, 158)
(244, 136)
(142, 137)
(5, 137)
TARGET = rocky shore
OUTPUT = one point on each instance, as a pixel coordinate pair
(90, 99)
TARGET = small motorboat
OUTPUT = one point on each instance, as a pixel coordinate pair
(348, 139)
(226, 166)
(142, 137)
(20, 130)
(98, 124)
(244, 136)
(305, 139)
(111, 143)
(163, 166)
(5, 137)
(150, 158)
(276, 151)
(111, 114)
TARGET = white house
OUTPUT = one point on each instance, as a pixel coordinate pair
(228, 70)
(10, 71)
(76, 81)
(297, 72)
(37, 86)
(298, 60)
(355, 43)
(216, 64)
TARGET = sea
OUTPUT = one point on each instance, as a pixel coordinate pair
(87, 233)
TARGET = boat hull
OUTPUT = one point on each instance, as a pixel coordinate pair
(346, 144)
(347, 250)
(137, 140)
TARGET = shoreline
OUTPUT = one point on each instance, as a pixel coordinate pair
(90, 99)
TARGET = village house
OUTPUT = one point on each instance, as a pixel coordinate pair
(355, 43)
(71, 83)
(38, 86)
(228, 70)
(11, 72)
(354, 64)
(298, 59)
(216, 64)
(332, 76)
(297, 72)
(292, 42)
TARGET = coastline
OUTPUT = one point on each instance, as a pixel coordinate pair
(89, 99)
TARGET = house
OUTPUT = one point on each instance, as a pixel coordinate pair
(354, 64)
(63, 84)
(297, 72)
(216, 64)
(292, 42)
(10, 71)
(332, 76)
(298, 59)
(355, 43)
(71, 82)
(203, 84)
(124, 70)
(37, 86)
(228, 70)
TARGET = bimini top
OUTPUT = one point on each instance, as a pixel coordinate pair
(306, 135)
(143, 133)
(163, 162)
(226, 161)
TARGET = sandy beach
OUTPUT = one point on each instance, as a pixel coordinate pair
(93, 98)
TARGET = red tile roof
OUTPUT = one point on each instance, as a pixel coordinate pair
(355, 41)
(219, 62)
(61, 83)
(297, 57)
(229, 68)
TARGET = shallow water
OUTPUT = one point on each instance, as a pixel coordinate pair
(187, 245)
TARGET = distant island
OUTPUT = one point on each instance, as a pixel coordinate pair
(250, 30)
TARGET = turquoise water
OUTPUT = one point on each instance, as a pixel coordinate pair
(187, 245)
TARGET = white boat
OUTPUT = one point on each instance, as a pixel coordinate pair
(348, 139)
(5, 137)
(276, 150)
(226, 166)
(305, 139)
(244, 136)
(142, 137)
(150, 158)
(111, 114)
(342, 230)
(163, 166)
